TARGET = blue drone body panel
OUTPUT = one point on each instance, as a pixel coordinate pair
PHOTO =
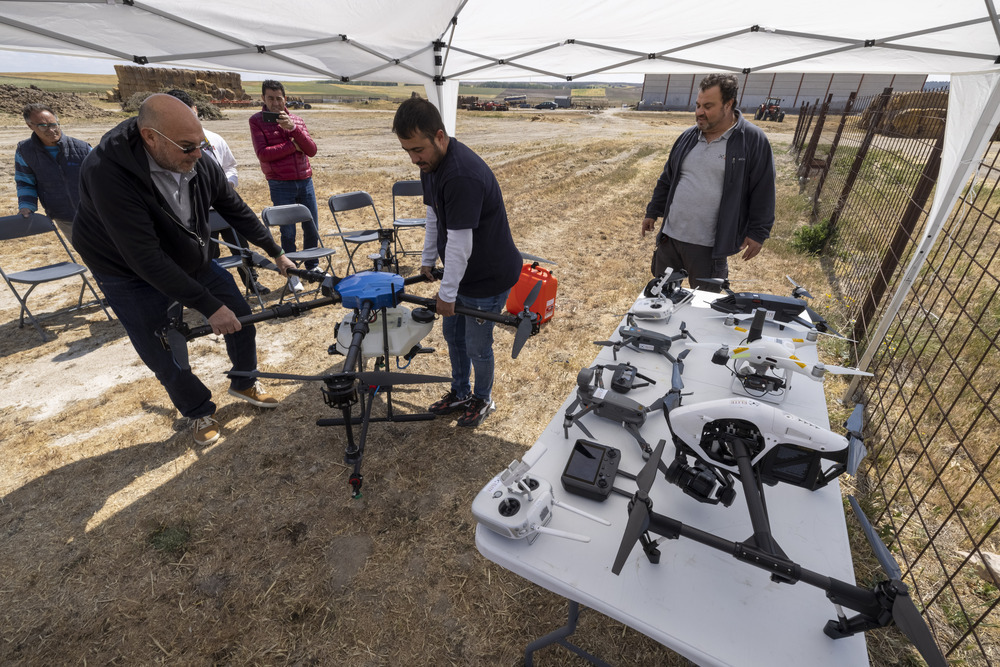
(381, 289)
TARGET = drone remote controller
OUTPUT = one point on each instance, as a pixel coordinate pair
(591, 469)
(654, 308)
(517, 506)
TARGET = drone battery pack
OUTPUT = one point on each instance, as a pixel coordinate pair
(545, 305)
(591, 469)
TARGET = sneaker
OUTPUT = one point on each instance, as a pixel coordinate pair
(295, 284)
(449, 403)
(476, 412)
(206, 430)
(260, 289)
(255, 395)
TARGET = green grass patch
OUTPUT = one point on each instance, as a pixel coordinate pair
(171, 540)
(811, 239)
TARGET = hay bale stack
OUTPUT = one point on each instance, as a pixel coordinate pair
(918, 123)
(133, 79)
(917, 114)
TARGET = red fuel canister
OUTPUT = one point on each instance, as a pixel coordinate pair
(545, 305)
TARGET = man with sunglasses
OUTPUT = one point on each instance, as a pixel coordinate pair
(142, 229)
(47, 168)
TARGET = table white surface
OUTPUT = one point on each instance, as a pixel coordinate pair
(698, 601)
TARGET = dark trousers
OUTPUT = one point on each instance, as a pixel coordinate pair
(142, 310)
(696, 259)
(297, 192)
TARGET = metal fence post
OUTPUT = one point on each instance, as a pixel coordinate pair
(829, 156)
(859, 158)
(904, 233)
(806, 166)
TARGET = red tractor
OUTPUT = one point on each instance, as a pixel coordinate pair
(770, 109)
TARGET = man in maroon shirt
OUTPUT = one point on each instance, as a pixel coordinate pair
(283, 146)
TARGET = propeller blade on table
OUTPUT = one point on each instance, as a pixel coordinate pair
(638, 516)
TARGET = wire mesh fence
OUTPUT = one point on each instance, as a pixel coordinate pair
(933, 482)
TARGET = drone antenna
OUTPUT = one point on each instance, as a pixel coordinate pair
(757, 326)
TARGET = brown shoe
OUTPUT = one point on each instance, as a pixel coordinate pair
(206, 430)
(255, 395)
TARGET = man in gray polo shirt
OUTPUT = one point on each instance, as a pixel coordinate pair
(716, 192)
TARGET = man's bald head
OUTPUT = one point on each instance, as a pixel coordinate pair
(167, 126)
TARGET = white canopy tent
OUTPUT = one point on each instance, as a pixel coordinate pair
(441, 42)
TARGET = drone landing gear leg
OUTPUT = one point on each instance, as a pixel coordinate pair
(559, 637)
(356, 452)
(761, 538)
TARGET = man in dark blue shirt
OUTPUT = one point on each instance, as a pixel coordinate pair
(47, 169)
(467, 228)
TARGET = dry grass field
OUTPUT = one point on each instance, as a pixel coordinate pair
(122, 543)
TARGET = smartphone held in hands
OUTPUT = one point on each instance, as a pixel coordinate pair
(270, 116)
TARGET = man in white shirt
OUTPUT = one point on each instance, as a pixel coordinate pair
(221, 153)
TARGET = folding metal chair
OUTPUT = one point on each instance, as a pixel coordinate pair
(217, 223)
(353, 201)
(293, 214)
(402, 189)
(18, 227)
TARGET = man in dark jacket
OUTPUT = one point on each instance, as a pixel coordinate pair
(716, 192)
(142, 229)
(47, 168)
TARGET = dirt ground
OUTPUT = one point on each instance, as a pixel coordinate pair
(122, 543)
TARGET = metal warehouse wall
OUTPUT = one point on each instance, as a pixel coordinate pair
(677, 92)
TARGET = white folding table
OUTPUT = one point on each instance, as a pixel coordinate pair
(698, 601)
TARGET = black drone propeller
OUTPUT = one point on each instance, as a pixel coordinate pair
(904, 612)
(639, 507)
(525, 325)
(799, 292)
(856, 451)
(373, 378)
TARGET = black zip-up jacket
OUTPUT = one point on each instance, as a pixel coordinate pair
(124, 227)
(747, 206)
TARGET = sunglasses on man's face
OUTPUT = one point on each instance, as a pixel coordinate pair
(46, 126)
(204, 145)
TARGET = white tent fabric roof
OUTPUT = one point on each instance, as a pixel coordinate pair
(440, 42)
(391, 39)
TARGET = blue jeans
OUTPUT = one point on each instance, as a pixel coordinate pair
(297, 192)
(142, 310)
(470, 345)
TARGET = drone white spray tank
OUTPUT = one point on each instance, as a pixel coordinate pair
(378, 290)
(405, 328)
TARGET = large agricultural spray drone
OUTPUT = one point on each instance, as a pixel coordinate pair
(375, 297)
